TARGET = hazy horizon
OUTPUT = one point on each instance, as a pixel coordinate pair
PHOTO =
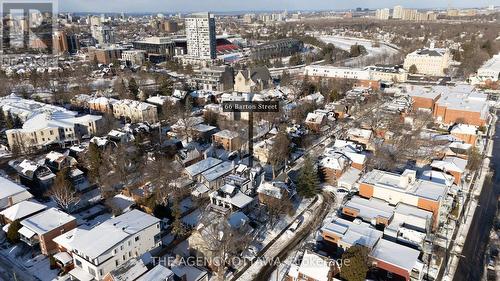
(157, 6)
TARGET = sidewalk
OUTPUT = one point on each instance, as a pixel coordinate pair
(463, 229)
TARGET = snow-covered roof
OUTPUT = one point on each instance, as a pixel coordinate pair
(315, 267)
(129, 271)
(22, 210)
(464, 129)
(93, 243)
(274, 189)
(369, 209)
(201, 166)
(67, 238)
(63, 257)
(157, 273)
(47, 220)
(11, 191)
(81, 274)
(360, 133)
(218, 171)
(353, 233)
(452, 164)
(335, 161)
(438, 177)
(190, 272)
(349, 177)
(395, 254)
(227, 134)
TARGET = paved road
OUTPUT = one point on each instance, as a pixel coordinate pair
(471, 266)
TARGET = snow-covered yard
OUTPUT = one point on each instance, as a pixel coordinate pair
(345, 43)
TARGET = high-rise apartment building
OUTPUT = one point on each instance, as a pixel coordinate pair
(200, 31)
(382, 14)
(397, 12)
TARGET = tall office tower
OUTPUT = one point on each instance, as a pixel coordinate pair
(200, 31)
(397, 13)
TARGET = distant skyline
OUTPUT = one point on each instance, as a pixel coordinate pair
(169, 6)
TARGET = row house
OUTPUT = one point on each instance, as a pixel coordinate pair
(135, 111)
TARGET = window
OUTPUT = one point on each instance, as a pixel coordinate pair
(117, 262)
(136, 238)
(78, 263)
(115, 251)
(123, 257)
(92, 271)
(121, 247)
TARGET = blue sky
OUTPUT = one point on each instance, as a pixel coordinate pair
(168, 6)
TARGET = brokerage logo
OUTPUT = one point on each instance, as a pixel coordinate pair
(27, 29)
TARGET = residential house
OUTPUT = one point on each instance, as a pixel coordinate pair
(466, 133)
(12, 193)
(128, 271)
(158, 273)
(409, 226)
(196, 169)
(315, 121)
(374, 211)
(32, 174)
(398, 260)
(358, 135)
(40, 229)
(453, 165)
(344, 234)
(101, 104)
(135, 111)
(213, 178)
(313, 267)
(20, 211)
(128, 236)
(253, 80)
(229, 140)
(275, 190)
(229, 198)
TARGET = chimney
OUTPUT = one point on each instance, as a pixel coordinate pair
(432, 45)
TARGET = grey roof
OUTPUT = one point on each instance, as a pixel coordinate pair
(93, 243)
(256, 74)
(200, 167)
(218, 171)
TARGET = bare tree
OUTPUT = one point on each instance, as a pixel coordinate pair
(223, 242)
(280, 151)
(161, 173)
(63, 191)
(276, 207)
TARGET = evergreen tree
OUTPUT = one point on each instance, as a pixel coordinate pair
(308, 182)
(13, 232)
(94, 161)
(9, 123)
(413, 69)
(133, 87)
(358, 264)
(166, 86)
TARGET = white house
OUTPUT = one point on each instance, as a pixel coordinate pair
(102, 249)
